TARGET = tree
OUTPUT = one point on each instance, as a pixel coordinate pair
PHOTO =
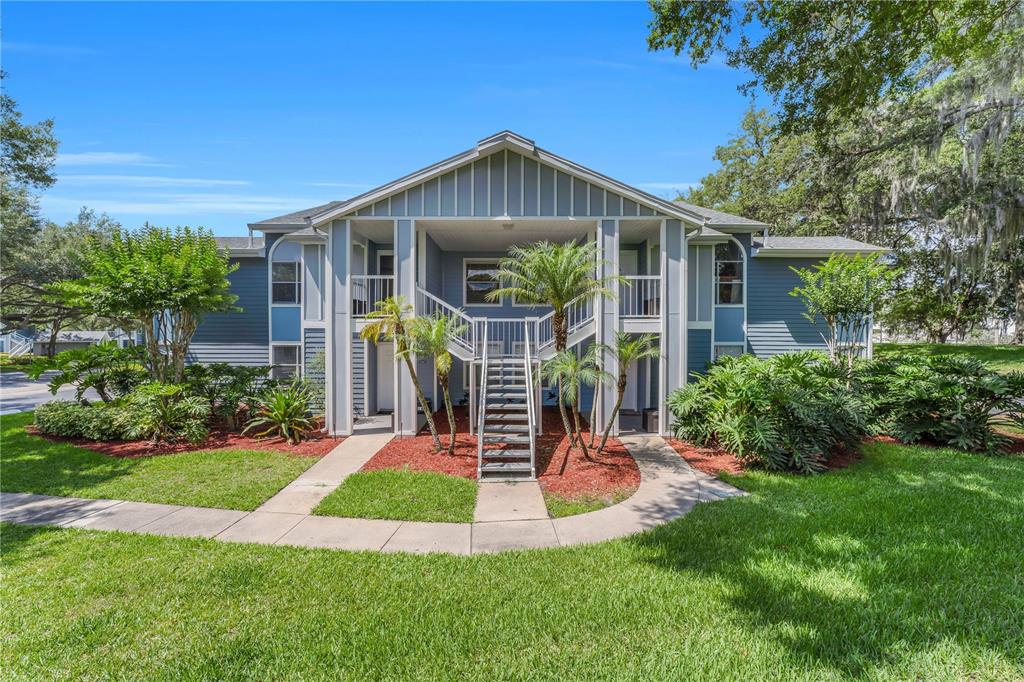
(628, 349)
(391, 320)
(549, 274)
(844, 292)
(159, 280)
(55, 253)
(572, 372)
(433, 336)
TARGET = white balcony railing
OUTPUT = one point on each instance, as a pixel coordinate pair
(640, 296)
(368, 291)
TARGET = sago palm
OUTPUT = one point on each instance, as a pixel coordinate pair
(390, 321)
(628, 349)
(572, 373)
(433, 336)
(550, 274)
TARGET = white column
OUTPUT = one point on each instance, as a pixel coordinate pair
(405, 285)
(608, 319)
(672, 363)
(339, 329)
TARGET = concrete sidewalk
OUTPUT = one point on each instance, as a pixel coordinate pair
(508, 516)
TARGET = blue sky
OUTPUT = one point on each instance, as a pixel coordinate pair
(223, 114)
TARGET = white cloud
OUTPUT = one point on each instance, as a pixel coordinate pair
(106, 159)
(148, 181)
(194, 204)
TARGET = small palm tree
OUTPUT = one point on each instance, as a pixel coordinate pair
(628, 349)
(572, 373)
(433, 336)
(550, 274)
(390, 320)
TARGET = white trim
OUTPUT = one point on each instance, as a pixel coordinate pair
(300, 356)
(699, 324)
(769, 252)
(714, 297)
(467, 261)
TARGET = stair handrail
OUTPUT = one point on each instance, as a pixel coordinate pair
(574, 317)
(531, 407)
(467, 339)
(481, 409)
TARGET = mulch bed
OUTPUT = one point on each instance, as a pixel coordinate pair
(714, 460)
(566, 474)
(317, 444)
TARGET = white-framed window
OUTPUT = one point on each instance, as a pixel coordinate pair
(386, 263)
(286, 282)
(734, 349)
(728, 274)
(287, 361)
(479, 278)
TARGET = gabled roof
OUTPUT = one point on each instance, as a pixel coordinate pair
(319, 215)
(721, 219)
(239, 247)
(780, 247)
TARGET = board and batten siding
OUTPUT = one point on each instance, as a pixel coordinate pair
(698, 350)
(237, 338)
(506, 183)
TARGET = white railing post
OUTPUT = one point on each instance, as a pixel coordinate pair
(482, 409)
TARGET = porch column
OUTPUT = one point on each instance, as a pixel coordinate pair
(338, 360)
(607, 318)
(672, 363)
(406, 423)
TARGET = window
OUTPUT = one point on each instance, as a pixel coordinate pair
(728, 274)
(286, 362)
(730, 349)
(286, 282)
(481, 278)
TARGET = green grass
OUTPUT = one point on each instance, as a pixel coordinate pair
(1003, 358)
(907, 565)
(231, 479)
(405, 495)
(559, 506)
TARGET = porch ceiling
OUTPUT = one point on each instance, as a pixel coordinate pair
(498, 235)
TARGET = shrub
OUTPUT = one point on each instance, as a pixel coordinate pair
(164, 412)
(73, 420)
(227, 389)
(949, 400)
(789, 412)
(108, 369)
(283, 411)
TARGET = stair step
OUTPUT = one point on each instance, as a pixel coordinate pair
(496, 467)
(505, 417)
(505, 393)
(505, 407)
(495, 429)
(507, 439)
(507, 453)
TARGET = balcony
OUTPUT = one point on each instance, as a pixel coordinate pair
(368, 290)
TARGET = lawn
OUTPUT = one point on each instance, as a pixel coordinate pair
(906, 565)
(559, 506)
(404, 495)
(1003, 358)
(231, 479)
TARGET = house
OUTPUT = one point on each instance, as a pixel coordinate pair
(69, 340)
(706, 282)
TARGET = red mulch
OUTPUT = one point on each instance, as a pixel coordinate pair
(317, 444)
(608, 473)
(714, 460)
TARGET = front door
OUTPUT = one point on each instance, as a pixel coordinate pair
(385, 377)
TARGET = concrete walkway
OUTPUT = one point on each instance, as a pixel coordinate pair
(507, 517)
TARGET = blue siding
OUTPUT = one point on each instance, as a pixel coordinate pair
(239, 338)
(698, 350)
(728, 324)
(776, 323)
(285, 323)
(435, 268)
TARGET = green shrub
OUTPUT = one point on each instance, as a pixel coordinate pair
(945, 399)
(227, 389)
(160, 411)
(73, 420)
(105, 367)
(283, 411)
(789, 412)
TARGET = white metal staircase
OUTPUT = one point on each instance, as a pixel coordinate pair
(508, 353)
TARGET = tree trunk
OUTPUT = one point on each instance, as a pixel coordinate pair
(579, 431)
(423, 403)
(620, 394)
(593, 408)
(1018, 335)
(443, 380)
(561, 338)
(51, 345)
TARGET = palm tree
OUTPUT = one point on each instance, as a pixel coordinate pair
(572, 373)
(549, 274)
(391, 320)
(432, 336)
(628, 349)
